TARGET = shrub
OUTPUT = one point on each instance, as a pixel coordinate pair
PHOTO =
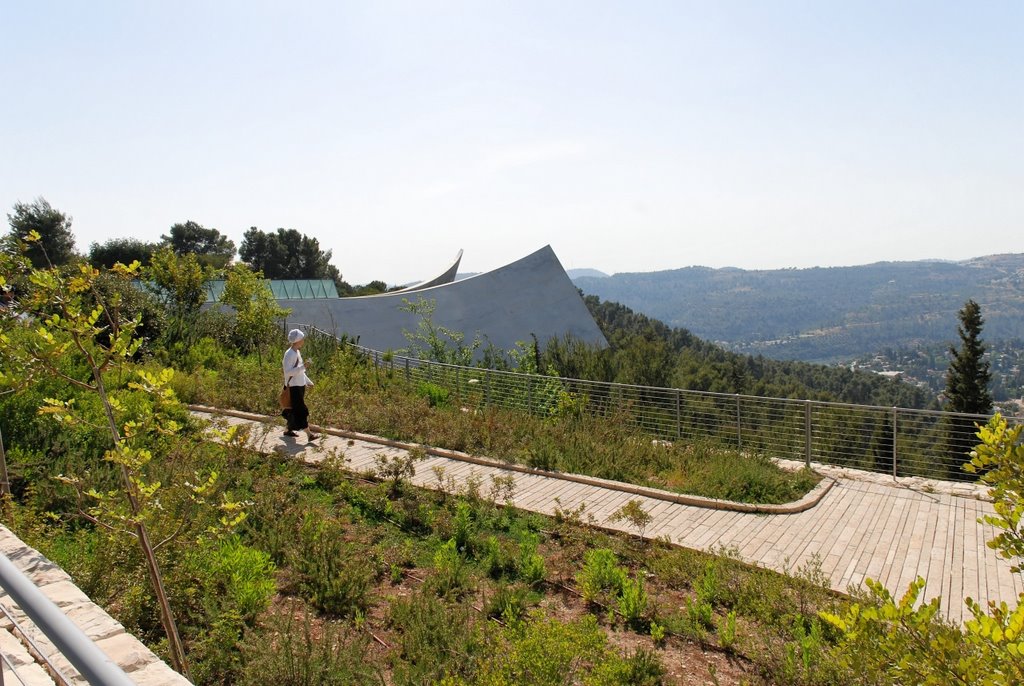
(450, 575)
(600, 574)
(435, 639)
(633, 602)
(335, 577)
(507, 603)
(289, 653)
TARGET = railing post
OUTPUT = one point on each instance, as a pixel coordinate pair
(407, 370)
(487, 388)
(679, 415)
(807, 433)
(529, 395)
(739, 426)
(894, 433)
(458, 386)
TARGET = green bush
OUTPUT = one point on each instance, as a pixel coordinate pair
(436, 639)
(336, 578)
(600, 575)
(450, 573)
(289, 653)
(436, 395)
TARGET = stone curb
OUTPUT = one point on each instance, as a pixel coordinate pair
(140, 663)
(812, 498)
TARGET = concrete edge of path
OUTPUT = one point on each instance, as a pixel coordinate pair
(812, 498)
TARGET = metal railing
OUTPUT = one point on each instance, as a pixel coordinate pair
(890, 440)
(72, 643)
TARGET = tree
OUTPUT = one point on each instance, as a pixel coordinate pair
(968, 377)
(123, 250)
(256, 311)
(180, 282)
(70, 323)
(210, 246)
(55, 245)
(287, 254)
(966, 386)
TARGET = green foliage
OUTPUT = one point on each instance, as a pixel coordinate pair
(431, 341)
(244, 576)
(287, 254)
(968, 377)
(632, 602)
(54, 244)
(601, 574)
(256, 312)
(209, 247)
(1000, 459)
(436, 640)
(123, 250)
(450, 573)
(436, 395)
(508, 603)
(549, 652)
(289, 652)
(727, 631)
(179, 282)
(532, 567)
(634, 514)
(334, 578)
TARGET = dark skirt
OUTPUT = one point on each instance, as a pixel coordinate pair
(298, 415)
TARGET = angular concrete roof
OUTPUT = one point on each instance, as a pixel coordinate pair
(533, 295)
(447, 276)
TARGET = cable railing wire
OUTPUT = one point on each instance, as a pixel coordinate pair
(888, 440)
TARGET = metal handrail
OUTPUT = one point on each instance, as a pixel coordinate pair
(891, 440)
(73, 644)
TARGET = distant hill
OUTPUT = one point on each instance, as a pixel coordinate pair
(578, 273)
(826, 314)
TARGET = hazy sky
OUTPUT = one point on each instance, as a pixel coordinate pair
(631, 136)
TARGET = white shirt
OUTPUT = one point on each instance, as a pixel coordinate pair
(294, 369)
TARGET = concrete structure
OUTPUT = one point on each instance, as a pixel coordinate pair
(533, 295)
(447, 276)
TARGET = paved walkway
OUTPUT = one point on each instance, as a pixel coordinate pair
(860, 528)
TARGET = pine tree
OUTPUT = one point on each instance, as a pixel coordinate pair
(966, 387)
(968, 376)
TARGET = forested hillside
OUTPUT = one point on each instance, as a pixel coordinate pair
(827, 314)
(648, 352)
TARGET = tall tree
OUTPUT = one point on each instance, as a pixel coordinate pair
(966, 387)
(968, 377)
(210, 246)
(287, 254)
(56, 244)
(123, 250)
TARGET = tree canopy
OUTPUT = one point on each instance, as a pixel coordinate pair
(123, 250)
(287, 254)
(210, 246)
(56, 244)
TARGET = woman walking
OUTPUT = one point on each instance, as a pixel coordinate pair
(296, 380)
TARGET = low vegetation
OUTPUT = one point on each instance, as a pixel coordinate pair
(279, 572)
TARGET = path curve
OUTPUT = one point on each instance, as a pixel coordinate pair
(858, 529)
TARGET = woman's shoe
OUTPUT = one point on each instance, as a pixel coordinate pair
(290, 433)
(312, 437)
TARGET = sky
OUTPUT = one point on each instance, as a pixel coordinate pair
(630, 136)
